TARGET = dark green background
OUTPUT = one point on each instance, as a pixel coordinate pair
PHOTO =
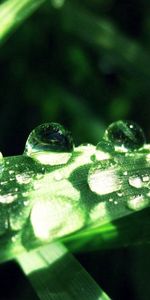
(84, 65)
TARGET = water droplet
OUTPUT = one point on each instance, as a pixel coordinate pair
(26, 203)
(14, 239)
(8, 198)
(138, 202)
(50, 144)
(11, 172)
(145, 178)
(58, 176)
(25, 194)
(125, 135)
(104, 150)
(136, 182)
(23, 178)
(110, 200)
(39, 176)
(103, 178)
(125, 173)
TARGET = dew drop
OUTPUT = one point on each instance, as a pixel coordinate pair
(50, 144)
(125, 135)
(145, 178)
(125, 173)
(25, 194)
(136, 182)
(119, 194)
(8, 198)
(103, 178)
(58, 176)
(14, 239)
(104, 150)
(23, 178)
(138, 202)
(11, 172)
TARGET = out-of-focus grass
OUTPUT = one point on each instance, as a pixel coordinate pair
(13, 13)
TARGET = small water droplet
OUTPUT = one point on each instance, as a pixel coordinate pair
(26, 203)
(125, 135)
(58, 176)
(50, 144)
(138, 202)
(119, 194)
(145, 178)
(7, 198)
(23, 178)
(14, 239)
(110, 200)
(11, 172)
(25, 194)
(136, 182)
(39, 176)
(104, 150)
(125, 173)
(103, 178)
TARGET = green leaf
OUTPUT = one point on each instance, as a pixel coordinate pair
(56, 274)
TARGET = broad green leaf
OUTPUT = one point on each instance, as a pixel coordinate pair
(56, 274)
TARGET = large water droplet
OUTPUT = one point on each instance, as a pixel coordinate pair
(50, 144)
(125, 135)
(103, 178)
(138, 202)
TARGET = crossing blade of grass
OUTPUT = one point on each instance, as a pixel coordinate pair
(56, 275)
(13, 13)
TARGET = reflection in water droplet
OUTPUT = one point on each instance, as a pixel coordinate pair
(135, 182)
(50, 144)
(103, 178)
(125, 135)
(104, 150)
(138, 202)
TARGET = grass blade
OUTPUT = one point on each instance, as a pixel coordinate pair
(13, 13)
(56, 275)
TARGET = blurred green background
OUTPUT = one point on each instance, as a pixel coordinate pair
(84, 65)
